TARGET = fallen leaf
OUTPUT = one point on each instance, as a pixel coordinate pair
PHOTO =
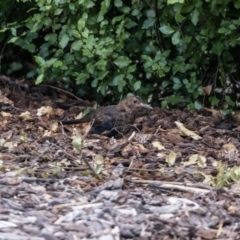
(187, 132)
(207, 90)
(25, 116)
(171, 158)
(6, 115)
(158, 145)
(45, 111)
(77, 142)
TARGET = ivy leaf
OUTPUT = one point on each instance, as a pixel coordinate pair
(214, 101)
(229, 100)
(122, 61)
(116, 80)
(64, 40)
(118, 3)
(148, 23)
(165, 83)
(197, 105)
(176, 38)
(137, 85)
(217, 48)
(166, 30)
(194, 16)
(77, 45)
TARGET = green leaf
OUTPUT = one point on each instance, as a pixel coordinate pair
(148, 23)
(229, 100)
(64, 39)
(122, 61)
(77, 45)
(58, 11)
(137, 85)
(176, 80)
(214, 101)
(175, 1)
(176, 38)
(116, 80)
(166, 30)
(222, 30)
(174, 99)
(118, 3)
(58, 63)
(179, 18)
(217, 48)
(39, 79)
(131, 68)
(197, 105)
(15, 66)
(39, 60)
(194, 16)
(13, 40)
(165, 83)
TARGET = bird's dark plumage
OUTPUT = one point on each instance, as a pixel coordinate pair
(114, 118)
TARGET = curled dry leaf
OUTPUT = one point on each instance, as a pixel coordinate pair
(6, 115)
(207, 90)
(187, 132)
(45, 111)
(140, 148)
(215, 113)
(26, 116)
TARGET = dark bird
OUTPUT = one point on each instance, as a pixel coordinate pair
(113, 119)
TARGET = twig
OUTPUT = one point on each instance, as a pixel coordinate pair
(172, 186)
(65, 91)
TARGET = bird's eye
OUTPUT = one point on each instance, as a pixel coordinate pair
(135, 101)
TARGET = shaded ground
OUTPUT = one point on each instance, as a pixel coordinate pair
(157, 183)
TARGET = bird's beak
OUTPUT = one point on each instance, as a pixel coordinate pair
(145, 106)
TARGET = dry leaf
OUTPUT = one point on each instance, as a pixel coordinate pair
(53, 126)
(171, 158)
(196, 159)
(158, 145)
(207, 90)
(6, 115)
(140, 148)
(45, 111)
(5, 100)
(77, 142)
(230, 148)
(186, 131)
(25, 116)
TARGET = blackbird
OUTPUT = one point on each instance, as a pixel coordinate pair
(113, 119)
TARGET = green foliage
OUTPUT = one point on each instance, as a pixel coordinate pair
(119, 47)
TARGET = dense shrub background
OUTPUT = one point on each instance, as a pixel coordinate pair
(181, 51)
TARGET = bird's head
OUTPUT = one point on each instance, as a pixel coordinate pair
(133, 103)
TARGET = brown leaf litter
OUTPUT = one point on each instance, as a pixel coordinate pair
(161, 182)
